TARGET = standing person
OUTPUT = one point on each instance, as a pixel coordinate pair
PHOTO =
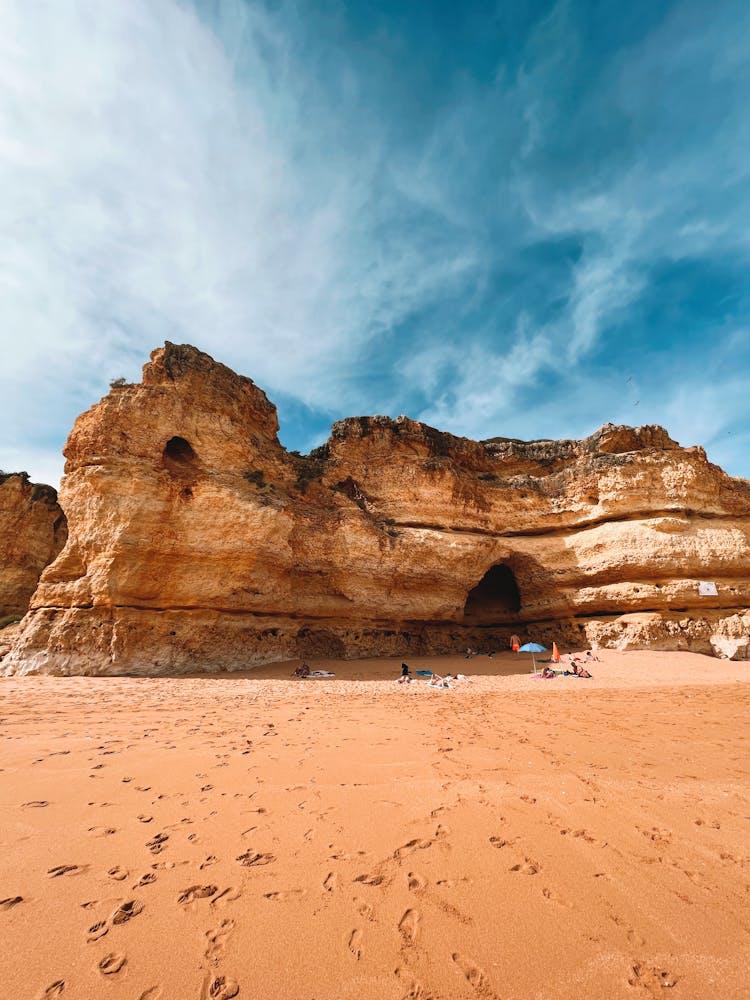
(515, 643)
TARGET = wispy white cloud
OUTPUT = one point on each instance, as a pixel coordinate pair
(224, 175)
(164, 176)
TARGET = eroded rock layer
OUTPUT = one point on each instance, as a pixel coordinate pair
(32, 533)
(197, 542)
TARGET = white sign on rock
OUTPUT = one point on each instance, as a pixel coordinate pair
(707, 589)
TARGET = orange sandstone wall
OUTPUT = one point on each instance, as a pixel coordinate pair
(197, 542)
(32, 533)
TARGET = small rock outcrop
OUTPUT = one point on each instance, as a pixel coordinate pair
(197, 542)
(32, 533)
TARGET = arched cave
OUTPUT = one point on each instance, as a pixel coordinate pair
(494, 599)
(179, 450)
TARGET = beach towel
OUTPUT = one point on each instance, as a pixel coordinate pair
(425, 673)
(316, 674)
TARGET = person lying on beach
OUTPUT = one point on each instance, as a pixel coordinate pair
(580, 671)
(437, 681)
(456, 677)
(302, 671)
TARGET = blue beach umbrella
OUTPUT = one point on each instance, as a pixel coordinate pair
(532, 647)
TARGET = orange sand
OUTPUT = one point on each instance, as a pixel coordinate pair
(333, 840)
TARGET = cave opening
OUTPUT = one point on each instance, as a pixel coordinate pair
(177, 449)
(495, 598)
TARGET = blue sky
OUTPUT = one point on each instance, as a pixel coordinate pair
(525, 220)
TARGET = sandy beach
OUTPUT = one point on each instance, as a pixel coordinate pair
(258, 836)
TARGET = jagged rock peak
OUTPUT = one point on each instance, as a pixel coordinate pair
(40, 492)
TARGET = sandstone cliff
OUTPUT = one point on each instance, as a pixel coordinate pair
(32, 533)
(197, 542)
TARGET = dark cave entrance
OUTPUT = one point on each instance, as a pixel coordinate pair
(495, 599)
(182, 464)
(179, 451)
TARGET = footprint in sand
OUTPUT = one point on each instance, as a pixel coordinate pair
(329, 882)
(584, 835)
(196, 892)
(251, 859)
(37, 804)
(146, 879)
(66, 870)
(217, 939)
(414, 989)
(127, 911)
(153, 993)
(156, 845)
(228, 895)
(527, 867)
(111, 964)
(56, 989)
(499, 842)
(410, 846)
(408, 926)
(364, 909)
(371, 878)
(207, 862)
(416, 882)
(220, 988)
(97, 930)
(472, 973)
(354, 943)
(118, 874)
(10, 902)
(143, 818)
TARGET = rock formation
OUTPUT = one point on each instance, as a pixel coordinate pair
(197, 542)
(32, 533)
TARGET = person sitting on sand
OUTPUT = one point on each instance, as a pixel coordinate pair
(405, 677)
(548, 674)
(469, 653)
(580, 671)
(302, 671)
(590, 658)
